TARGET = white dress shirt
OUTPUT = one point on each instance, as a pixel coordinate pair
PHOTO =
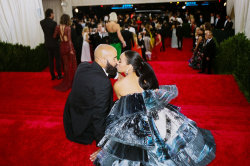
(216, 21)
(212, 20)
(225, 23)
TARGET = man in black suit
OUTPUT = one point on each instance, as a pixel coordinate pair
(228, 25)
(209, 52)
(200, 21)
(179, 34)
(128, 37)
(99, 37)
(141, 44)
(48, 26)
(76, 36)
(91, 97)
(218, 22)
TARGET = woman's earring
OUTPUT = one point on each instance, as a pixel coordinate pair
(127, 71)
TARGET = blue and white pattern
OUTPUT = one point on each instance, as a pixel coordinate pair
(144, 129)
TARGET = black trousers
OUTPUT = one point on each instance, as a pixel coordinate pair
(179, 41)
(206, 64)
(53, 52)
(163, 44)
(143, 51)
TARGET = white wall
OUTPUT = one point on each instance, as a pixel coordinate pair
(20, 22)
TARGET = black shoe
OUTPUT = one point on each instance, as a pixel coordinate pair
(59, 77)
(201, 72)
(53, 77)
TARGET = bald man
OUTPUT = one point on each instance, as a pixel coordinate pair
(91, 97)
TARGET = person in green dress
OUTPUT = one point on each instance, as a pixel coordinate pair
(115, 37)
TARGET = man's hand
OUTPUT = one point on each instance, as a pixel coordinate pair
(207, 58)
(94, 155)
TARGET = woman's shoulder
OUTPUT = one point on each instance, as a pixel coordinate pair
(119, 83)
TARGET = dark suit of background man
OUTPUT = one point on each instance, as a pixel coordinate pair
(128, 37)
(99, 37)
(179, 34)
(141, 43)
(48, 26)
(228, 25)
(218, 22)
(209, 52)
(91, 97)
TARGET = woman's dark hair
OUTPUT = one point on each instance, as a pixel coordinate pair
(147, 78)
(65, 19)
(48, 13)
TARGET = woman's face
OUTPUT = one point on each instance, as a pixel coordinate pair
(198, 30)
(122, 65)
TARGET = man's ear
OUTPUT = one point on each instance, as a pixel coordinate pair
(104, 62)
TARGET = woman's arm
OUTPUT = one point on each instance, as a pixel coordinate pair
(87, 38)
(70, 42)
(56, 32)
(120, 35)
(159, 39)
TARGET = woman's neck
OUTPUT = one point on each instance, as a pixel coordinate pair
(132, 75)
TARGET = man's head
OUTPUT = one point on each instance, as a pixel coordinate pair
(208, 34)
(99, 27)
(49, 13)
(106, 57)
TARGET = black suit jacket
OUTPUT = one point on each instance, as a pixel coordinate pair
(98, 40)
(229, 26)
(48, 26)
(179, 32)
(220, 24)
(141, 43)
(88, 104)
(199, 22)
(128, 37)
(210, 49)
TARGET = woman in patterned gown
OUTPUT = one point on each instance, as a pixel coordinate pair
(67, 53)
(195, 61)
(142, 128)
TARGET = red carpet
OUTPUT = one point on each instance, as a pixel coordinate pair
(31, 112)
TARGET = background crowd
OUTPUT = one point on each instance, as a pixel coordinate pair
(144, 33)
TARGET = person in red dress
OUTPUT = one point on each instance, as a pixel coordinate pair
(138, 22)
(157, 48)
(67, 53)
